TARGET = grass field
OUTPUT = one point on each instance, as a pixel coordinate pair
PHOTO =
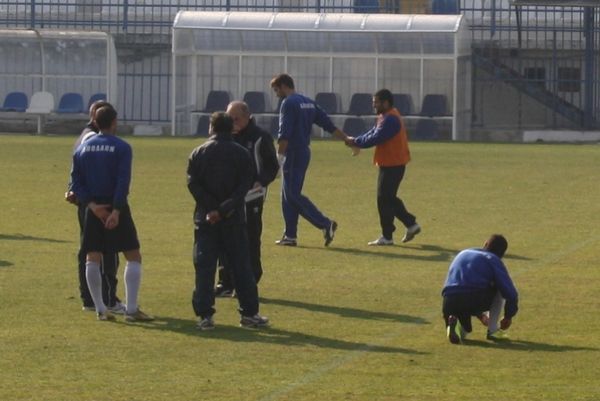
(349, 322)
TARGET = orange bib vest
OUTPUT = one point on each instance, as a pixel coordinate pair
(394, 151)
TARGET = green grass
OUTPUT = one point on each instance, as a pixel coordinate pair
(350, 322)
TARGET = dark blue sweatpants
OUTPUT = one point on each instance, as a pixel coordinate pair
(293, 203)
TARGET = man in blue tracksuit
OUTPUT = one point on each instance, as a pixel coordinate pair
(479, 282)
(296, 116)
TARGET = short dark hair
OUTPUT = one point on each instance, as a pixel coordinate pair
(105, 116)
(497, 245)
(96, 105)
(385, 95)
(221, 122)
(282, 79)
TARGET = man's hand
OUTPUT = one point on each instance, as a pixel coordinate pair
(213, 217)
(281, 160)
(71, 197)
(505, 323)
(100, 211)
(349, 141)
(112, 221)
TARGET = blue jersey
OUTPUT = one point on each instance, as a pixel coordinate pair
(297, 115)
(477, 269)
(102, 170)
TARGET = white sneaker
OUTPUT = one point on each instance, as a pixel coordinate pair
(411, 232)
(381, 241)
(117, 309)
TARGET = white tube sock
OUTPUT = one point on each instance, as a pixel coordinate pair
(94, 282)
(132, 277)
(496, 309)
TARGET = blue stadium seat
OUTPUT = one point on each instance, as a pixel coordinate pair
(445, 7)
(361, 104)
(70, 103)
(15, 101)
(216, 101)
(203, 126)
(328, 102)
(256, 101)
(354, 126)
(426, 130)
(95, 97)
(434, 106)
(403, 102)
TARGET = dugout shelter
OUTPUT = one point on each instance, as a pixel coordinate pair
(343, 58)
(56, 73)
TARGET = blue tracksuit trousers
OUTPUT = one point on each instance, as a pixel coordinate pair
(293, 203)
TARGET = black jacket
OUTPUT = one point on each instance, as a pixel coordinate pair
(262, 150)
(219, 174)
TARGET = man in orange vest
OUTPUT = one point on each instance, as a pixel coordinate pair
(391, 156)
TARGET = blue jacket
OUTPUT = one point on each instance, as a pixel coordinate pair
(475, 270)
(297, 115)
(102, 170)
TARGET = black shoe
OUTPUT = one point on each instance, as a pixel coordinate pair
(285, 241)
(254, 322)
(223, 292)
(329, 232)
(454, 330)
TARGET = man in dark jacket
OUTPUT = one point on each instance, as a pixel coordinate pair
(219, 175)
(478, 282)
(259, 144)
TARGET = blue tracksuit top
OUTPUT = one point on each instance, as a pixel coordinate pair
(379, 133)
(476, 269)
(102, 170)
(297, 115)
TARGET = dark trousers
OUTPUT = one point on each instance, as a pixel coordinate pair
(388, 204)
(254, 210)
(108, 270)
(465, 305)
(293, 203)
(210, 241)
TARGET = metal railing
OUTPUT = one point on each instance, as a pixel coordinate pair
(556, 47)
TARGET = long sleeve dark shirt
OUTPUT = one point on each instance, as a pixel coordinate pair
(219, 174)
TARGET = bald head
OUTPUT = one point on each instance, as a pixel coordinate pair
(240, 114)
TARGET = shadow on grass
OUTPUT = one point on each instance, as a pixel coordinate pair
(5, 263)
(438, 253)
(271, 335)
(521, 345)
(346, 312)
(21, 237)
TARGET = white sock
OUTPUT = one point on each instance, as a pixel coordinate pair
(94, 282)
(496, 309)
(132, 277)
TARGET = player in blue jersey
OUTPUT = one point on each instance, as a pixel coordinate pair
(478, 283)
(110, 261)
(101, 176)
(297, 115)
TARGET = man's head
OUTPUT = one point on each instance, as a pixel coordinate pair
(240, 114)
(105, 119)
(282, 85)
(383, 101)
(95, 106)
(496, 244)
(220, 123)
